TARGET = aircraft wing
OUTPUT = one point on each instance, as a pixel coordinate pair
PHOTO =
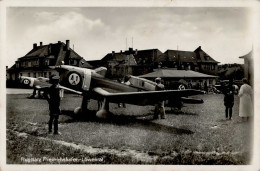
(71, 90)
(145, 97)
(42, 86)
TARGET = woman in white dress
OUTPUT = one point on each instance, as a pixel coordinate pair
(246, 100)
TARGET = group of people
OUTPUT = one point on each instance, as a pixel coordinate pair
(246, 100)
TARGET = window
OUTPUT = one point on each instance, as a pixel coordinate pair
(49, 74)
(45, 74)
(29, 64)
(34, 75)
(29, 74)
(47, 62)
(17, 64)
(21, 74)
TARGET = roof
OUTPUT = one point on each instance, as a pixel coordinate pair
(176, 55)
(12, 68)
(141, 55)
(56, 50)
(186, 56)
(96, 63)
(170, 73)
(248, 55)
(203, 56)
(84, 64)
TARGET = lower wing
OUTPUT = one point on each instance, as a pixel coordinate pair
(145, 97)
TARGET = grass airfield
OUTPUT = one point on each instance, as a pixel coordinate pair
(200, 134)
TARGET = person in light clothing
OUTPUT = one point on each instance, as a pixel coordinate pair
(246, 100)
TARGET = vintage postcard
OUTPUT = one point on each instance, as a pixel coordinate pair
(149, 85)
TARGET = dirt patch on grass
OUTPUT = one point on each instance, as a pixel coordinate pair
(51, 151)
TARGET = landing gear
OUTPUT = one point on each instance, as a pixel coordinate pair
(84, 106)
(103, 113)
(77, 111)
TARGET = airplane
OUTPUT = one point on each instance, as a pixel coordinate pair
(92, 84)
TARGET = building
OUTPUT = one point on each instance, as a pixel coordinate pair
(249, 67)
(37, 61)
(197, 60)
(150, 59)
(171, 76)
(129, 62)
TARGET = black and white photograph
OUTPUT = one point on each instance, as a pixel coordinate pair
(130, 85)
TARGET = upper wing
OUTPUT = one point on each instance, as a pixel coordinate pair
(145, 97)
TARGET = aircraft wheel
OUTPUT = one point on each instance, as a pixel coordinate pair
(102, 114)
(181, 87)
(77, 110)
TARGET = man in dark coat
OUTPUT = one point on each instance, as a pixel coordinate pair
(159, 106)
(52, 95)
(228, 92)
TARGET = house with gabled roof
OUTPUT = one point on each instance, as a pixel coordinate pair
(150, 59)
(134, 62)
(37, 61)
(197, 60)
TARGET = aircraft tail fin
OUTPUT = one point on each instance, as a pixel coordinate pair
(101, 70)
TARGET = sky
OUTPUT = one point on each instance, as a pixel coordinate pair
(222, 32)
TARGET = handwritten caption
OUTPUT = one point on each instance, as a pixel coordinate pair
(60, 160)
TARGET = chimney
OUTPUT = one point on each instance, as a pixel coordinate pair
(40, 43)
(113, 53)
(59, 41)
(49, 48)
(130, 50)
(136, 51)
(6, 67)
(68, 44)
(121, 51)
(34, 45)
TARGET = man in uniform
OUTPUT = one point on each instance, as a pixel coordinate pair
(52, 94)
(159, 106)
(228, 92)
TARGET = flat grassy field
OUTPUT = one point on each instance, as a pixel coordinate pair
(200, 134)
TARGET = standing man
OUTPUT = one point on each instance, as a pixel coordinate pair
(159, 106)
(206, 87)
(229, 99)
(52, 94)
